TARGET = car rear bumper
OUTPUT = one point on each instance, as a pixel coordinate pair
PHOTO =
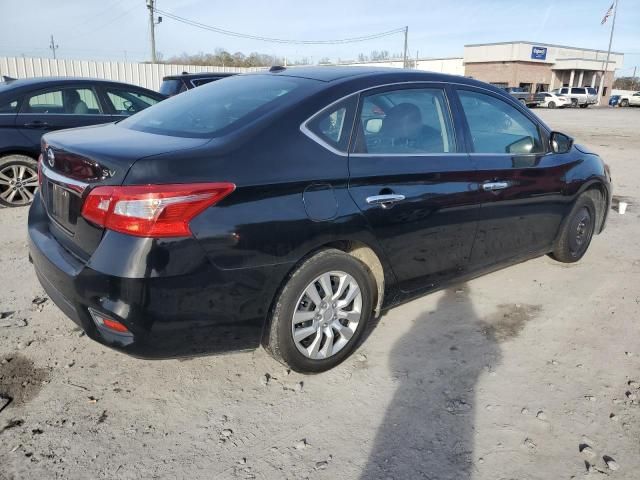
(205, 310)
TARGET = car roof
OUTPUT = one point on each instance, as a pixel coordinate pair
(198, 75)
(25, 83)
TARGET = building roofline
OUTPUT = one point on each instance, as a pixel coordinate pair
(426, 59)
(539, 44)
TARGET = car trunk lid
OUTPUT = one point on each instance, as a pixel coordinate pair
(75, 161)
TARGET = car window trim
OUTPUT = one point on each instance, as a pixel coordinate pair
(453, 85)
(319, 140)
(27, 95)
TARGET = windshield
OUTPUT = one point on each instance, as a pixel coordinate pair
(217, 108)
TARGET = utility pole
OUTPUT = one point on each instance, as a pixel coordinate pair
(406, 43)
(634, 78)
(152, 30)
(53, 47)
(606, 62)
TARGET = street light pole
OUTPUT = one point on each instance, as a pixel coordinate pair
(406, 43)
(152, 30)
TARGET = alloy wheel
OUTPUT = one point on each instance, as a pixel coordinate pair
(327, 315)
(18, 184)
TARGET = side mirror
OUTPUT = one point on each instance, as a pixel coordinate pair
(373, 125)
(560, 143)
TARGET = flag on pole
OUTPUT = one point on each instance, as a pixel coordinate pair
(607, 15)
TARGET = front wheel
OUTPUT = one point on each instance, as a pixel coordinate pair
(624, 103)
(18, 180)
(321, 312)
(584, 105)
(577, 230)
(551, 105)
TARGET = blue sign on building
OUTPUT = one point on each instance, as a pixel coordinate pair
(539, 53)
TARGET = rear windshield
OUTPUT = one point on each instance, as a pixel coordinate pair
(171, 86)
(217, 108)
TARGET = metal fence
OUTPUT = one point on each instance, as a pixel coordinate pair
(143, 74)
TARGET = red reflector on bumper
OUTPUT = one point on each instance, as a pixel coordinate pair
(105, 322)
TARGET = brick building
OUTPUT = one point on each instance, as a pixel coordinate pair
(540, 67)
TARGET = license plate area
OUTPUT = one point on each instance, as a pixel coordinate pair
(63, 205)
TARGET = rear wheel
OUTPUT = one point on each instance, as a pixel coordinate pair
(624, 103)
(18, 180)
(523, 102)
(551, 105)
(321, 312)
(577, 230)
(574, 102)
(584, 105)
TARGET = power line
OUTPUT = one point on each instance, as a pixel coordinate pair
(230, 33)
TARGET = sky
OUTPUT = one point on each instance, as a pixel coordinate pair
(119, 29)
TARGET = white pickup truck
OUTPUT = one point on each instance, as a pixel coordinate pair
(629, 100)
(580, 96)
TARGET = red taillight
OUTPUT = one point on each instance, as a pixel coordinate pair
(152, 210)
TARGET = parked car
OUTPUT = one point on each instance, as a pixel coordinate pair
(551, 100)
(632, 100)
(614, 101)
(175, 84)
(580, 96)
(265, 209)
(31, 107)
(526, 98)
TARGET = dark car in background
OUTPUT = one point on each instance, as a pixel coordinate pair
(286, 208)
(175, 84)
(33, 106)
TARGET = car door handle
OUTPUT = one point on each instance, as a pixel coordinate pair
(385, 201)
(493, 186)
(36, 124)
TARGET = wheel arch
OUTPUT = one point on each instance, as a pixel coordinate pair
(602, 206)
(14, 151)
(356, 248)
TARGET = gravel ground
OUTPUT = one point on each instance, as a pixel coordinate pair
(527, 373)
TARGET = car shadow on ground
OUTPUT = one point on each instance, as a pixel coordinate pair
(428, 429)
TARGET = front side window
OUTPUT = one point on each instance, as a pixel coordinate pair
(497, 127)
(219, 107)
(75, 101)
(129, 102)
(407, 121)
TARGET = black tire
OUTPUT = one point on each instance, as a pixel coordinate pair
(281, 344)
(578, 229)
(551, 105)
(523, 102)
(574, 103)
(584, 105)
(624, 103)
(13, 193)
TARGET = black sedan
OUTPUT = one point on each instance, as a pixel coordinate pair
(287, 208)
(31, 107)
(175, 84)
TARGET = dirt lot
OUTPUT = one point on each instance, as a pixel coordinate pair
(528, 373)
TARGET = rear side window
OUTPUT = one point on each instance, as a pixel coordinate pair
(75, 101)
(497, 127)
(405, 121)
(9, 107)
(578, 91)
(332, 126)
(592, 91)
(217, 108)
